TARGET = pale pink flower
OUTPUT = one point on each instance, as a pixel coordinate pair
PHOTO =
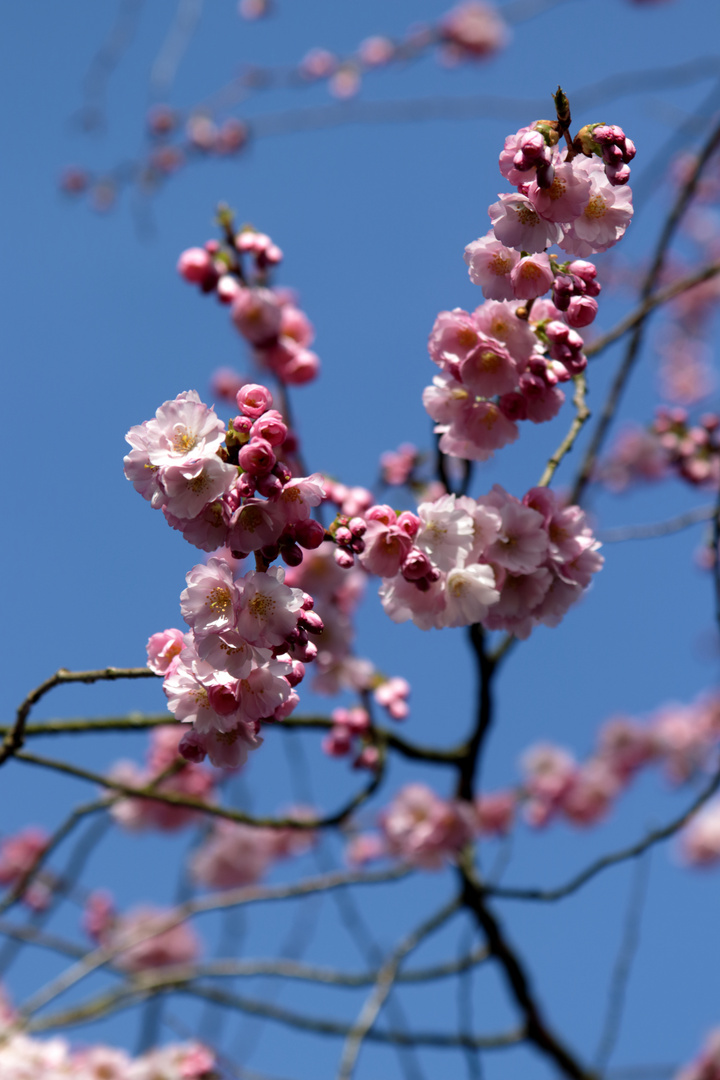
(604, 217)
(233, 854)
(257, 314)
(191, 487)
(495, 813)
(469, 593)
(144, 940)
(184, 430)
(424, 829)
(522, 544)
(211, 600)
(590, 795)
(517, 223)
(474, 30)
(490, 264)
(531, 277)
(700, 840)
(454, 335)
(489, 369)
(268, 609)
(565, 198)
(163, 648)
(364, 848)
(497, 319)
(446, 532)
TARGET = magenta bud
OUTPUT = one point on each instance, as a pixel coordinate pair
(513, 406)
(309, 534)
(581, 311)
(242, 425)
(291, 554)
(281, 470)
(269, 486)
(308, 601)
(343, 536)
(311, 621)
(222, 700)
(416, 565)
(270, 552)
(344, 559)
(357, 526)
(191, 748)
(256, 457)
(245, 486)
(253, 400)
(369, 758)
(297, 673)
(433, 575)
(409, 523)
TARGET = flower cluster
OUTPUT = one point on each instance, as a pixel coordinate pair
(681, 739)
(185, 778)
(246, 650)
(499, 561)
(144, 939)
(499, 366)
(19, 855)
(277, 331)
(496, 370)
(25, 1058)
(235, 854)
(225, 488)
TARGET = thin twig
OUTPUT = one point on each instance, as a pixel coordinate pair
(652, 302)
(656, 530)
(14, 738)
(623, 966)
(614, 859)
(205, 808)
(195, 906)
(386, 977)
(582, 415)
(111, 1002)
(682, 201)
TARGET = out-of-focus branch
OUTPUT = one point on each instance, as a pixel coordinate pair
(716, 559)
(582, 414)
(140, 721)
(205, 808)
(64, 830)
(16, 735)
(631, 852)
(661, 528)
(106, 1004)
(213, 902)
(536, 1030)
(683, 200)
(106, 60)
(623, 966)
(663, 296)
(469, 762)
(386, 977)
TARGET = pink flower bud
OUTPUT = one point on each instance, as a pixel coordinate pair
(369, 758)
(268, 486)
(344, 559)
(253, 400)
(256, 457)
(309, 534)
(581, 311)
(196, 266)
(222, 700)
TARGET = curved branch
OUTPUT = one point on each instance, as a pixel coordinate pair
(15, 737)
(196, 804)
(386, 977)
(112, 1002)
(683, 200)
(631, 852)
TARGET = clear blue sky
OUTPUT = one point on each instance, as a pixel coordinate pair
(373, 219)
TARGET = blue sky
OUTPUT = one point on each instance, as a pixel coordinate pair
(373, 219)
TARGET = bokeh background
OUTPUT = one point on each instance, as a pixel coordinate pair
(373, 215)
